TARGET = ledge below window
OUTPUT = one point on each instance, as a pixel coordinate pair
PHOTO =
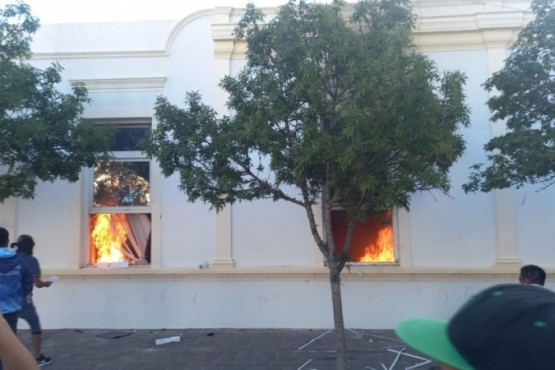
(355, 274)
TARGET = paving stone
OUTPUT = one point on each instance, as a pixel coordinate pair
(224, 349)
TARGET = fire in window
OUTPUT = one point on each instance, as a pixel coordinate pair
(120, 218)
(372, 242)
(119, 238)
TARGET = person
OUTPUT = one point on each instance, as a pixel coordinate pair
(532, 274)
(505, 327)
(14, 355)
(25, 245)
(16, 282)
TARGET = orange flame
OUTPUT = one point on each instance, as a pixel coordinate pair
(383, 249)
(108, 236)
(372, 240)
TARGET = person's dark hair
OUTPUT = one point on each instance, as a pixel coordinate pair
(4, 237)
(25, 244)
(532, 274)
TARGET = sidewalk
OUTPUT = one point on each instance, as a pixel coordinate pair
(235, 349)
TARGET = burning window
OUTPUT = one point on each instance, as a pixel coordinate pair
(120, 218)
(372, 242)
(119, 238)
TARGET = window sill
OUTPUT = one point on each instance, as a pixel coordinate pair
(354, 274)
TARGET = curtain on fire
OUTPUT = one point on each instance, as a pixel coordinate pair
(120, 237)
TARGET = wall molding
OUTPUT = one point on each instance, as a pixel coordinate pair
(449, 30)
(111, 84)
(299, 274)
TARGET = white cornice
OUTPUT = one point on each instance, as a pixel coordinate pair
(101, 54)
(474, 22)
(128, 54)
(110, 84)
(432, 33)
(441, 25)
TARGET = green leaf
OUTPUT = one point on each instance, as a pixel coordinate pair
(526, 103)
(325, 103)
(42, 135)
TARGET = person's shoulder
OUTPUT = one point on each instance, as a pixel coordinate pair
(31, 258)
(23, 256)
(26, 259)
(26, 256)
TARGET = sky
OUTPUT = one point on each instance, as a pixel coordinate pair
(70, 11)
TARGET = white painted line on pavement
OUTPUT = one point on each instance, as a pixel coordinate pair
(306, 363)
(312, 341)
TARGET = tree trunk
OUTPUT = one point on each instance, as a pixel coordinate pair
(339, 325)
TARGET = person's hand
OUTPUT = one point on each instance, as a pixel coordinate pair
(39, 283)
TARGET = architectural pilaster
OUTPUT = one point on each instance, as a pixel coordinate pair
(402, 227)
(505, 213)
(223, 50)
(8, 215)
(79, 232)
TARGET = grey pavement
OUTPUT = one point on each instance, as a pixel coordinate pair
(245, 349)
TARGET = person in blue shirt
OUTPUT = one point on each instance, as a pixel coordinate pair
(16, 282)
(25, 245)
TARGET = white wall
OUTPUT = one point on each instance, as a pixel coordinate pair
(249, 304)
(276, 278)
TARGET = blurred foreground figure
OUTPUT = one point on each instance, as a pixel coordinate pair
(14, 355)
(505, 327)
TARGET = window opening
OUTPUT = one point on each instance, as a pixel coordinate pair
(120, 216)
(121, 184)
(373, 239)
(119, 238)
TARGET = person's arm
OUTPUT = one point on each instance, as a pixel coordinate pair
(34, 269)
(39, 283)
(14, 355)
(26, 279)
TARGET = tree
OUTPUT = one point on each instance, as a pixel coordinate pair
(41, 134)
(525, 99)
(328, 111)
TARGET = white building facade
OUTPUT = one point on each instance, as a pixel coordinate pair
(255, 265)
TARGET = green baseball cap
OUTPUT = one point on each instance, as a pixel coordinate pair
(503, 327)
(430, 337)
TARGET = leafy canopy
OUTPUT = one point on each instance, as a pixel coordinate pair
(328, 111)
(323, 103)
(41, 134)
(526, 101)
